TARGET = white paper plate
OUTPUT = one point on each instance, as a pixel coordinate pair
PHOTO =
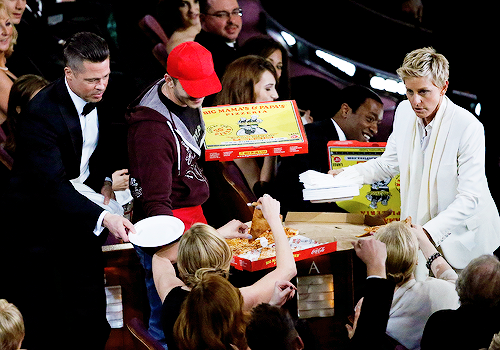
(156, 231)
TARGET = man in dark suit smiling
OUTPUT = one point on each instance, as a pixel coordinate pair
(57, 280)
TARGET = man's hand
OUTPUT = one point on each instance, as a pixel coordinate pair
(234, 229)
(373, 253)
(120, 180)
(107, 192)
(118, 226)
(357, 312)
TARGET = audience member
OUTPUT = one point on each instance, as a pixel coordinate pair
(11, 326)
(438, 148)
(57, 146)
(221, 24)
(180, 20)
(475, 322)
(37, 51)
(370, 321)
(8, 38)
(271, 327)
(23, 90)
(251, 79)
(219, 324)
(202, 247)
(359, 111)
(275, 53)
(414, 301)
(165, 139)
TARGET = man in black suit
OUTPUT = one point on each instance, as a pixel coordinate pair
(53, 234)
(359, 110)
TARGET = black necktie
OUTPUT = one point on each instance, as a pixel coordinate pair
(88, 108)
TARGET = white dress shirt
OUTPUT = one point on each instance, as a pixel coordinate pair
(90, 134)
(339, 131)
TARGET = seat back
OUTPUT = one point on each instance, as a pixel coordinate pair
(160, 53)
(143, 339)
(229, 194)
(153, 30)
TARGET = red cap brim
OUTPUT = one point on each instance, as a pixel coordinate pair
(201, 87)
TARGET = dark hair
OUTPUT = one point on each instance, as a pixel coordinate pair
(264, 46)
(20, 94)
(270, 328)
(204, 6)
(355, 96)
(169, 15)
(85, 46)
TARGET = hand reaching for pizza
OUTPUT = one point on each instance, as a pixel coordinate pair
(234, 229)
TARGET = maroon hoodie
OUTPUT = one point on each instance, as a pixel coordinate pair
(163, 155)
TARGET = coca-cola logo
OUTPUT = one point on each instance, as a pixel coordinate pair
(316, 251)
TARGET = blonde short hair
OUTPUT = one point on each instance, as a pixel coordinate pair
(425, 62)
(11, 326)
(402, 250)
(202, 247)
(13, 39)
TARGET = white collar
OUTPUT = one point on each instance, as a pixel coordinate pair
(341, 134)
(77, 100)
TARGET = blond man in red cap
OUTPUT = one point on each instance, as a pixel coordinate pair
(165, 139)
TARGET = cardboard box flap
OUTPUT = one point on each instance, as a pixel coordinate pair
(351, 218)
(328, 227)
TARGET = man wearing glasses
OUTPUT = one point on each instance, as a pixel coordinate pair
(221, 22)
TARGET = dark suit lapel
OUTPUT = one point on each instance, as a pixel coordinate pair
(329, 130)
(70, 117)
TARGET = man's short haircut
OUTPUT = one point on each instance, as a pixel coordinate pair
(270, 328)
(355, 96)
(479, 283)
(11, 326)
(85, 46)
(425, 62)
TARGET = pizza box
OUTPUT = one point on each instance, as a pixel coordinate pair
(372, 199)
(253, 130)
(333, 231)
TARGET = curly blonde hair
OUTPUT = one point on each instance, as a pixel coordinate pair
(402, 250)
(425, 62)
(202, 248)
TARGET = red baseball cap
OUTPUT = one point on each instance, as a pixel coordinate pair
(193, 66)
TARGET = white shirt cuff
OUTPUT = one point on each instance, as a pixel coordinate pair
(98, 227)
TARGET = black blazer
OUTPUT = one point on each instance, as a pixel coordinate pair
(372, 322)
(467, 327)
(288, 189)
(48, 154)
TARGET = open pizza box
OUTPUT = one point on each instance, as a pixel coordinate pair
(330, 231)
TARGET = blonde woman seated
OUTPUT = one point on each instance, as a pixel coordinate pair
(220, 323)
(414, 301)
(251, 79)
(203, 247)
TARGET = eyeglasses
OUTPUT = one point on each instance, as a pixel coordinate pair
(226, 15)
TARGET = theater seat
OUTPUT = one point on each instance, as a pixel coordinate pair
(141, 335)
(153, 30)
(160, 53)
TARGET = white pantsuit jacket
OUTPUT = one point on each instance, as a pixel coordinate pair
(444, 189)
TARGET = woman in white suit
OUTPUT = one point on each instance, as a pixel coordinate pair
(439, 150)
